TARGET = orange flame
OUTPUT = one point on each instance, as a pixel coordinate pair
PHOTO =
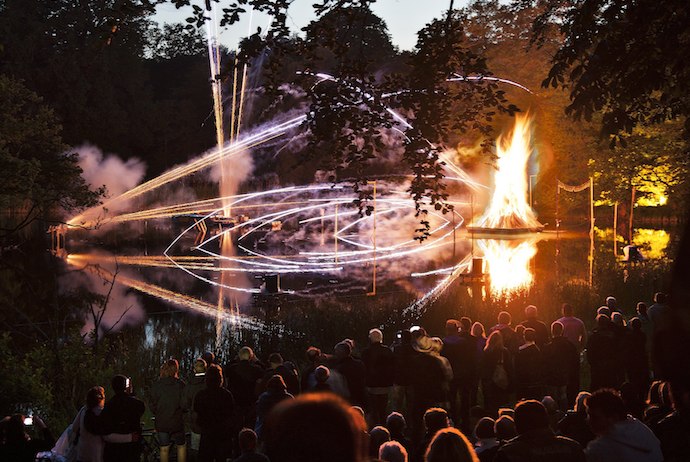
(508, 207)
(508, 264)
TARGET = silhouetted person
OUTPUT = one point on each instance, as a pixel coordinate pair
(322, 374)
(396, 425)
(214, 406)
(561, 363)
(168, 406)
(450, 445)
(377, 436)
(510, 339)
(285, 369)
(487, 445)
(452, 351)
(465, 373)
(505, 429)
(619, 437)
(637, 358)
(574, 424)
(540, 329)
(404, 355)
(603, 355)
(658, 403)
(674, 430)
(536, 442)
(352, 371)
(122, 415)
(392, 451)
(244, 377)
(196, 383)
(315, 428)
(496, 373)
(429, 382)
(380, 375)
(646, 325)
(573, 328)
(17, 445)
(659, 313)
(529, 369)
(612, 304)
(435, 419)
(276, 391)
(315, 359)
(248, 441)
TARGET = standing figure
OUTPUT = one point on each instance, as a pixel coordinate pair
(215, 406)
(168, 404)
(122, 415)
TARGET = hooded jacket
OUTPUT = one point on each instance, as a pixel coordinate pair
(168, 403)
(629, 440)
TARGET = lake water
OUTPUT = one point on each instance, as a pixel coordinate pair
(208, 292)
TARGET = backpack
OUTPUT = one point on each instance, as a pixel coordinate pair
(500, 375)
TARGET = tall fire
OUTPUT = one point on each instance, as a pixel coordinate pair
(508, 214)
(508, 211)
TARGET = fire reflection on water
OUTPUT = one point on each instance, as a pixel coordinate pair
(508, 264)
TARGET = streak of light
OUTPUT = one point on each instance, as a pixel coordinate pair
(174, 297)
(432, 272)
(432, 295)
(203, 162)
(208, 265)
(479, 78)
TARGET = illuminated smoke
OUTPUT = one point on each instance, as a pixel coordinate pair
(109, 170)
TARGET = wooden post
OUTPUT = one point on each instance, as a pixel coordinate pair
(632, 207)
(373, 291)
(591, 206)
(335, 233)
(615, 228)
(591, 230)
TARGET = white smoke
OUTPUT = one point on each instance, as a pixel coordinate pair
(109, 170)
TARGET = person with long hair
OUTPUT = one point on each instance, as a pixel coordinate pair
(496, 373)
(450, 445)
(88, 428)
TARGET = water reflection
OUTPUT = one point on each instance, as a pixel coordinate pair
(508, 264)
(652, 242)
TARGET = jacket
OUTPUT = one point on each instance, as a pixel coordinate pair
(168, 403)
(540, 446)
(380, 365)
(629, 440)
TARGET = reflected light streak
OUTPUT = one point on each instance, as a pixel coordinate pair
(171, 296)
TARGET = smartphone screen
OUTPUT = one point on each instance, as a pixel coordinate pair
(28, 421)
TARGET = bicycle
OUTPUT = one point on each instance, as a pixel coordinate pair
(149, 446)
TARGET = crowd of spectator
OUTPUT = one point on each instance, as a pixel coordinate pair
(508, 393)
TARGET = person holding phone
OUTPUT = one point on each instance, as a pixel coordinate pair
(122, 415)
(17, 445)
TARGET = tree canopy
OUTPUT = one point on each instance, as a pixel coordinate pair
(624, 59)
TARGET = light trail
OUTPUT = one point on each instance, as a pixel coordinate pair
(255, 262)
(431, 296)
(171, 296)
(201, 163)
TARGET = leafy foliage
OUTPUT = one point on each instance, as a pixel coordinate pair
(620, 58)
(39, 174)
